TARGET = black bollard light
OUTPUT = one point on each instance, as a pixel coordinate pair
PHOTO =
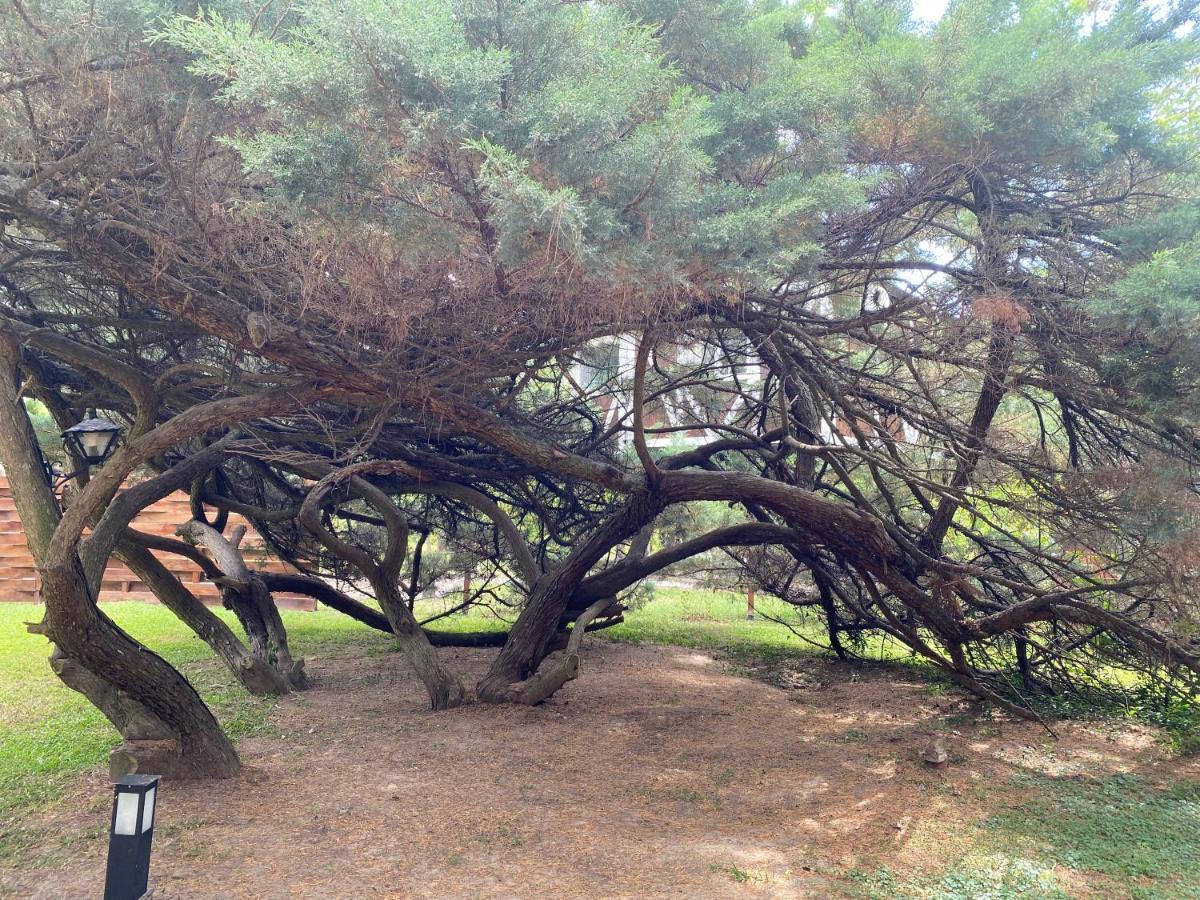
(129, 837)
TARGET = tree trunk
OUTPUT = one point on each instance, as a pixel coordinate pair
(443, 686)
(256, 610)
(83, 634)
(829, 609)
(280, 652)
(87, 636)
(550, 677)
(249, 598)
(253, 672)
(529, 640)
(149, 745)
(134, 721)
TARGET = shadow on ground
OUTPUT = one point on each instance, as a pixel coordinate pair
(658, 772)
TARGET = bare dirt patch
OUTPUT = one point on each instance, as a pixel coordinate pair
(658, 773)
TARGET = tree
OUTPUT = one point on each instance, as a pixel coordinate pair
(335, 264)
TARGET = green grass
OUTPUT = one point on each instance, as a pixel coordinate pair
(686, 618)
(1128, 836)
(979, 877)
(1121, 826)
(1136, 837)
(716, 620)
(48, 732)
(733, 871)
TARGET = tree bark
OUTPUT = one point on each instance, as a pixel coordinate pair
(148, 746)
(531, 634)
(544, 683)
(86, 635)
(373, 618)
(255, 674)
(443, 686)
(134, 721)
(75, 624)
(249, 598)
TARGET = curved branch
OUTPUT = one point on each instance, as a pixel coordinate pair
(187, 424)
(95, 549)
(165, 544)
(255, 674)
(333, 598)
(550, 678)
(140, 388)
(528, 566)
(631, 570)
(653, 473)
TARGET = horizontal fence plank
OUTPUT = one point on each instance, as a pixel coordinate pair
(19, 577)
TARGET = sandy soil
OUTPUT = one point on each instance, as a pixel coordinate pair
(660, 772)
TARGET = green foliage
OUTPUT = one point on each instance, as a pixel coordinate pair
(1159, 302)
(1121, 826)
(997, 880)
(717, 620)
(522, 204)
(976, 877)
(576, 127)
(734, 872)
(658, 144)
(1114, 694)
(46, 429)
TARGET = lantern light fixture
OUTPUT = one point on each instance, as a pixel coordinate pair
(130, 836)
(93, 440)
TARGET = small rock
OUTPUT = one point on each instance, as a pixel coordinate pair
(935, 754)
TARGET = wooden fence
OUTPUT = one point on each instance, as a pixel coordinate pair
(19, 576)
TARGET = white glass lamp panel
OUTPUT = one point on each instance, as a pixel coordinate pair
(148, 811)
(94, 442)
(877, 298)
(127, 814)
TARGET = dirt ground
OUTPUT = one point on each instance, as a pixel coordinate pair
(660, 772)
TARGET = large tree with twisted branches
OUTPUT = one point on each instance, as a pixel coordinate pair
(914, 304)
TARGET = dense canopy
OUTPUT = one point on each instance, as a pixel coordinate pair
(898, 320)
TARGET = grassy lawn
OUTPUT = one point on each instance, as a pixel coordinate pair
(1132, 839)
(710, 620)
(716, 620)
(48, 732)
(1138, 837)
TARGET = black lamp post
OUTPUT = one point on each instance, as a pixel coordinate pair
(93, 439)
(129, 837)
